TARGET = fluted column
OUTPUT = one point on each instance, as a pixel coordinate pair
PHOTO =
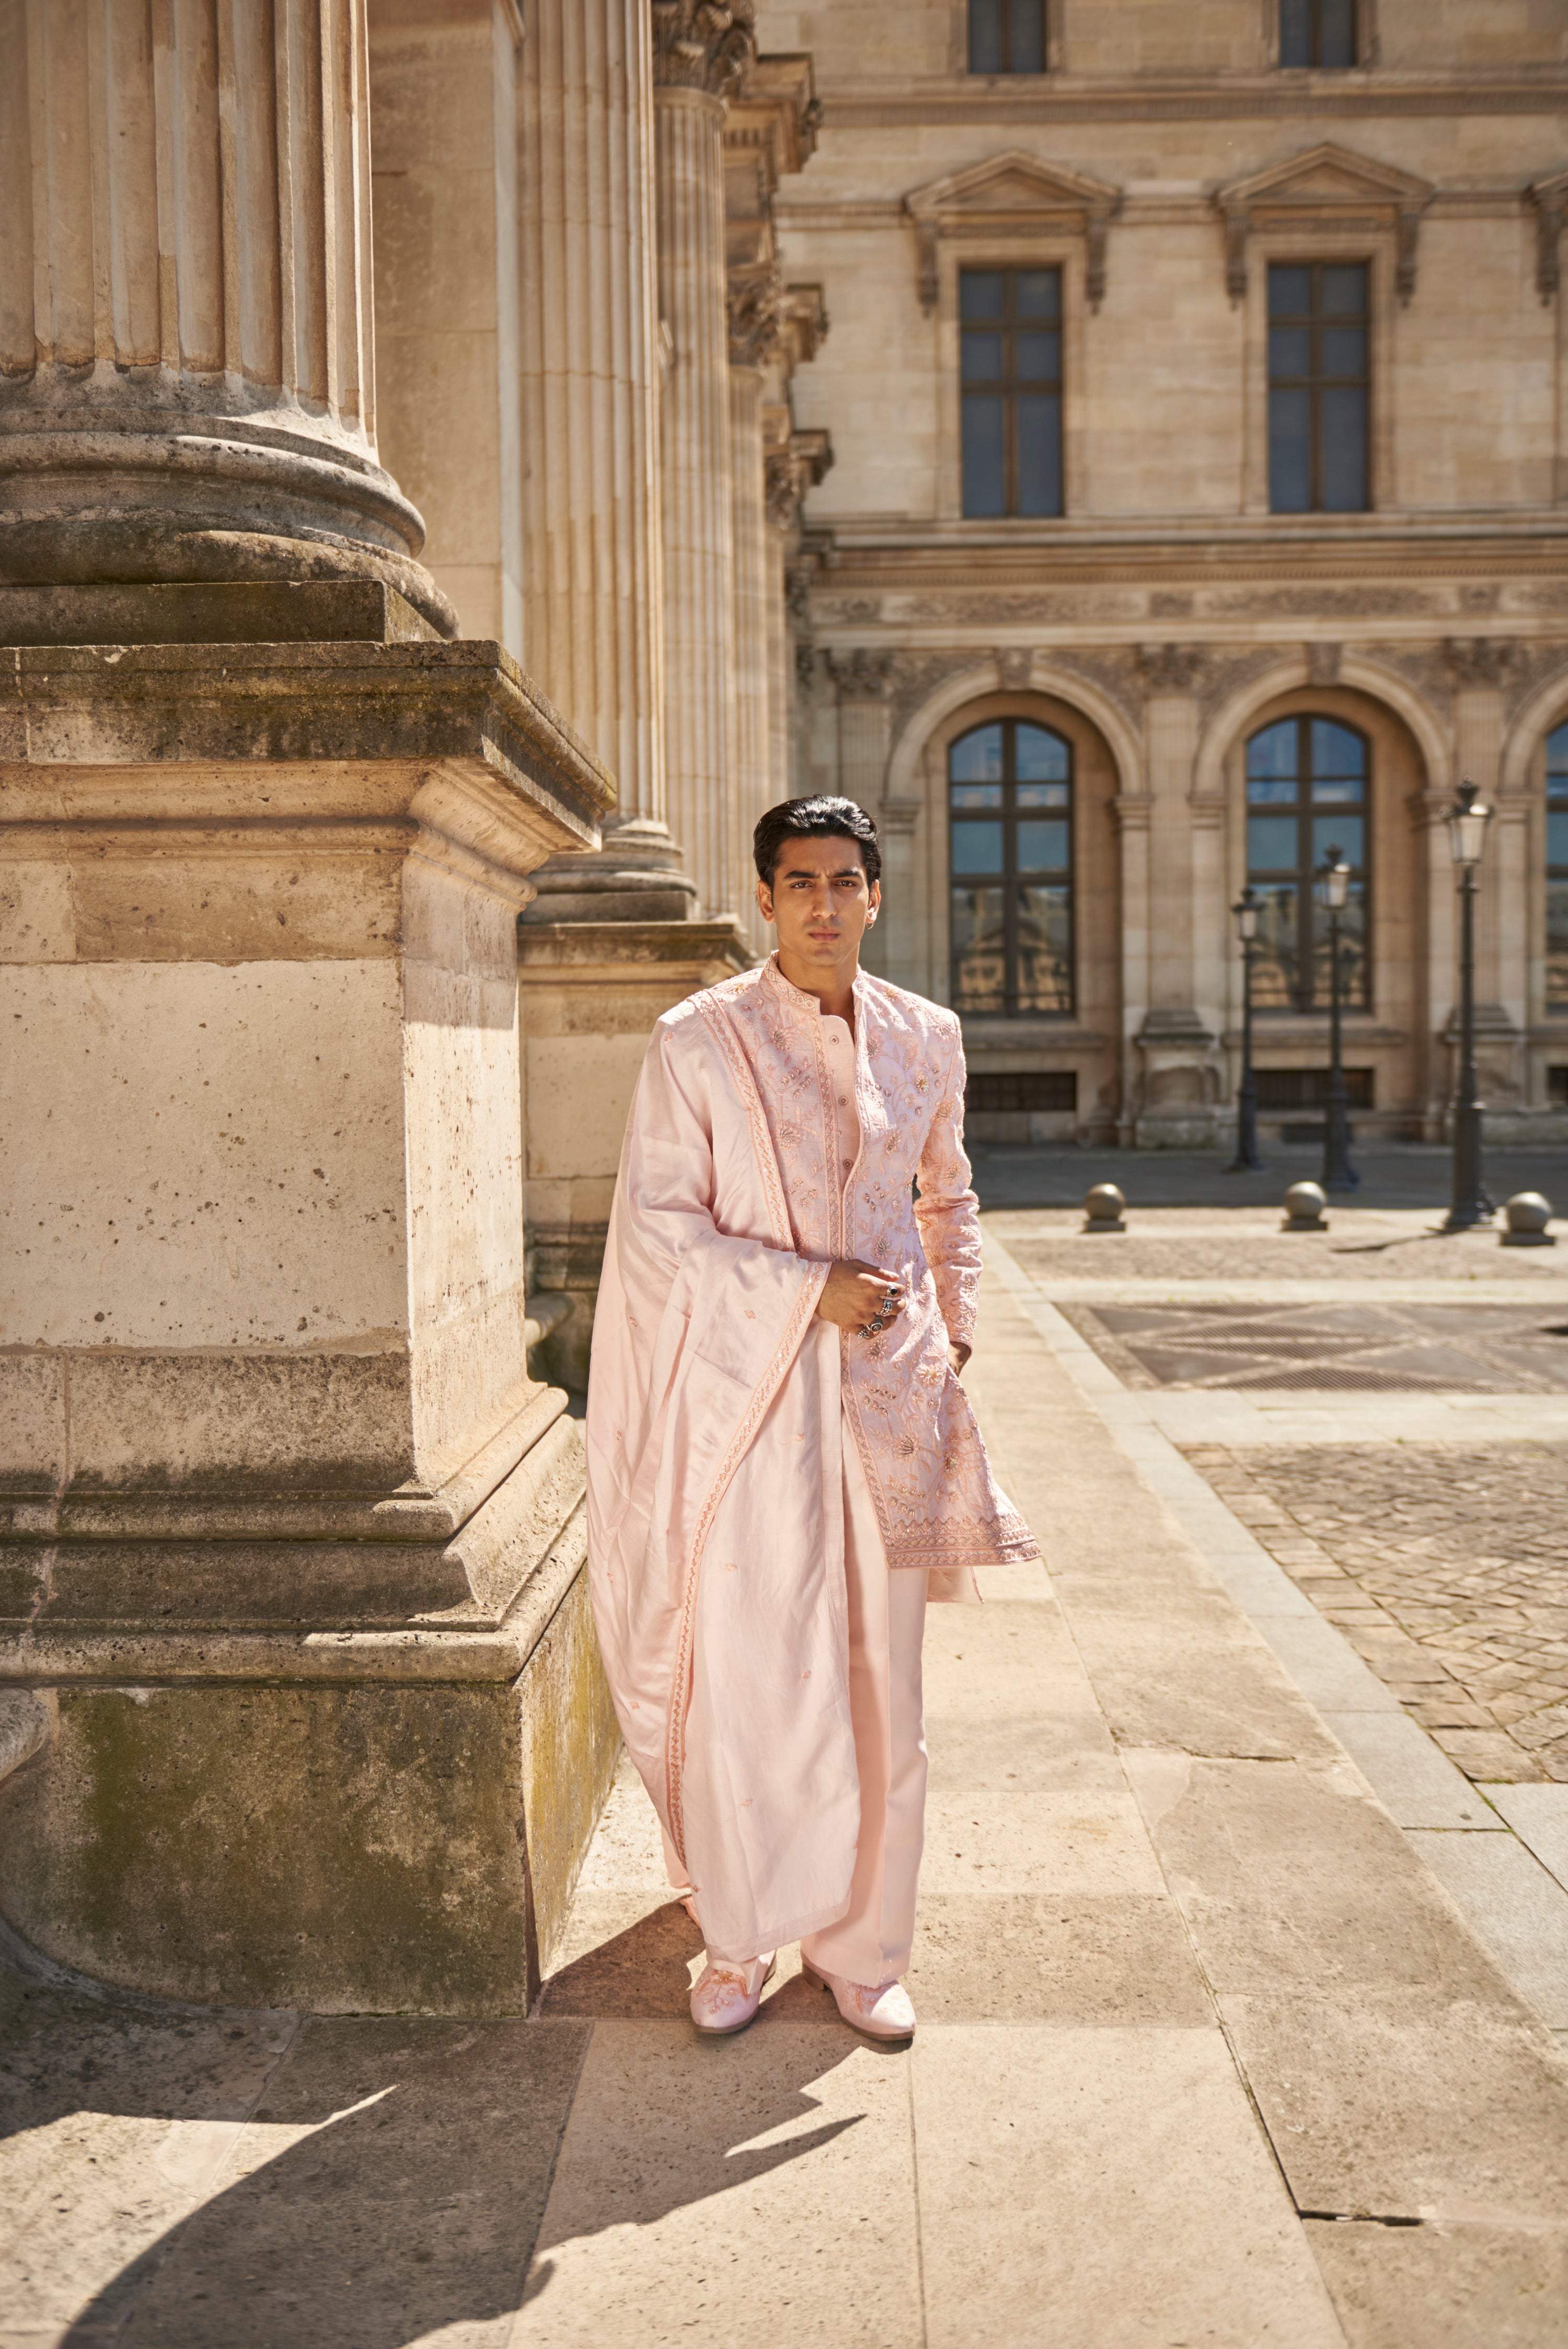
(186, 331)
(594, 563)
(751, 783)
(702, 52)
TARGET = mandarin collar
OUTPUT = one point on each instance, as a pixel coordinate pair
(803, 1004)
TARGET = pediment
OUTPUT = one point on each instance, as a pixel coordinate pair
(1011, 184)
(1327, 176)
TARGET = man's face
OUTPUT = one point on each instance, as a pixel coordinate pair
(820, 902)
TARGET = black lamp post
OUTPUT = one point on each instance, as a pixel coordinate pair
(1338, 1174)
(1246, 1160)
(1467, 823)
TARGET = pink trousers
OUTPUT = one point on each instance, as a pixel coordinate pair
(871, 1943)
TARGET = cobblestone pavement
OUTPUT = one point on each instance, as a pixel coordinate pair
(1355, 1344)
(1176, 1245)
(1446, 1567)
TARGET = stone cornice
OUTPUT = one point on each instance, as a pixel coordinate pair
(1327, 186)
(704, 44)
(793, 461)
(777, 113)
(1054, 98)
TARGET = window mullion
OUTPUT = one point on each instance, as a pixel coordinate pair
(1010, 867)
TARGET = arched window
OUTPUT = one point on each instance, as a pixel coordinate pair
(1557, 869)
(1308, 784)
(1009, 792)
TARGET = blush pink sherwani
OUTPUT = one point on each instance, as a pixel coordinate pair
(716, 1407)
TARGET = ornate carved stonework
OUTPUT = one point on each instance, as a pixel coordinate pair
(1013, 666)
(707, 45)
(1007, 194)
(1323, 662)
(1328, 187)
(791, 468)
(1169, 668)
(1550, 198)
(757, 304)
(1480, 661)
(861, 676)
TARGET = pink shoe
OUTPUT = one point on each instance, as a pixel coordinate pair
(728, 1993)
(882, 2012)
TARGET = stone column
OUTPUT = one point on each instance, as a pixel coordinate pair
(595, 578)
(1480, 668)
(864, 682)
(443, 86)
(1131, 811)
(293, 1541)
(752, 331)
(186, 386)
(701, 53)
(1182, 1073)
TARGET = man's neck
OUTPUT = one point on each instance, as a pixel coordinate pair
(834, 987)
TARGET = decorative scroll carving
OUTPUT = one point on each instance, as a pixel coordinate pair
(793, 466)
(1326, 188)
(861, 676)
(1550, 198)
(707, 45)
(1016, 193)
(1014, 665)
(1480, 662)
(1323, 662)
(1169, 668)
(757, 304)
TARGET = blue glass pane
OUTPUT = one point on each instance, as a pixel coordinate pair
(1557, 752)
(964, 798)
(1039, 357)
(1040, 417)
(984, 479)
(1345, 833)
(982, 356)
(1557, 945)
(1039, 293)
(1343, 451)
(1043, 846)
(976, 757)
(1290, 351)
(1273, 752)
(1290, 290)
(980, 293)
(1336, 750)
(1345, 290)
(1271, 790)
(1344, 351)
(1557, 837)
(1336, 33)
(979, 958)
(1274, 952)
(1029, 28)
(1352, 951)
(1042, 758)
(976, 847)
(1043, 796)
(985, 37)
(1044, 951)
(1271, 843)
(1294, 31)
(1290, 452)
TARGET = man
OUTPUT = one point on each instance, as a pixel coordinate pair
(782, 1464)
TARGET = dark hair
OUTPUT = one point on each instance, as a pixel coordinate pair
(824, 818)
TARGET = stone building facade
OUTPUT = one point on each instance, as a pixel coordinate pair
(458, 464)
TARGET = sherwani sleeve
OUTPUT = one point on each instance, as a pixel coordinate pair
(946, 1209)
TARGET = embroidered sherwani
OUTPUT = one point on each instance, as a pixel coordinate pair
(718, 1405)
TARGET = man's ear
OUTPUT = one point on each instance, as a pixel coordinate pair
(765, 901)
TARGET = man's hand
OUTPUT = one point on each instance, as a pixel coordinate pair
(855, 1293)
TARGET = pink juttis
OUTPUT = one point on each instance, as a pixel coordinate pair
(715, 1486)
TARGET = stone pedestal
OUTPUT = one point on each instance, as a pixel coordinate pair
(591, 992)
(291, 1535)
(1179, 1104)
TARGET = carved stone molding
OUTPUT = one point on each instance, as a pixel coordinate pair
(898, 817)
(1169, 668)
(793, 463)
(1012, 192)
(1480, 662)
(1326, 188)
(1550, 199)
(861, 676)
(1323, 662)
(756, 302)
(706, 44)
(1015, 666)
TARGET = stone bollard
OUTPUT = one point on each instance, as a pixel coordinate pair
(1528, 1214)
(1303, 1206)
(1103, 1208)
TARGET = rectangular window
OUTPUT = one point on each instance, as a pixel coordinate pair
(1011, 366)
(1318, 386)
(1557, 869)
(1288, 1089)
(1317, 32)
(1006, 36)
(1039, 1090)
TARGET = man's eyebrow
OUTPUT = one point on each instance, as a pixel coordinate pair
(809, 871)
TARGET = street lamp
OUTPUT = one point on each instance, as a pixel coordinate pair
(1333, 892)
(1467, 821)
(1246, 1160)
